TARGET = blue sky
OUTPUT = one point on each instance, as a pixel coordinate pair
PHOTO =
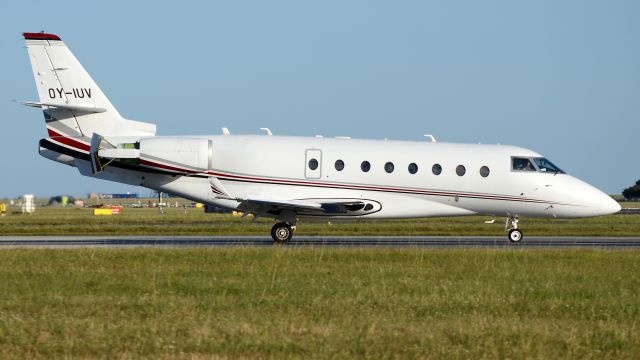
(559, 77)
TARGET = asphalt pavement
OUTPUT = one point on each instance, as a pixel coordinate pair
(333, 241)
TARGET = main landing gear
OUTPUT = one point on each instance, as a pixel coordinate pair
(514, 234)
(282, 232)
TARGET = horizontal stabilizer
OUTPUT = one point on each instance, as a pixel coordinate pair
(84, 108)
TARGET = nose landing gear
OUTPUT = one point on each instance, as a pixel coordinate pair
(511, 226)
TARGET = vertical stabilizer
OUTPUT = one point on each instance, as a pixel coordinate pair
(73, 104)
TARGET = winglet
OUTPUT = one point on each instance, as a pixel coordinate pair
(218, 189)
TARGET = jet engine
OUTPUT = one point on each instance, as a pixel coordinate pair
(177, 153)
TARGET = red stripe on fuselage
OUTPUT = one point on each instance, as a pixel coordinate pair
(166, 167)
(375, 188)
(347, 186)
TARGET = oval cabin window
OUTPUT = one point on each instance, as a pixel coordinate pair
(388, 167)
(436, 169)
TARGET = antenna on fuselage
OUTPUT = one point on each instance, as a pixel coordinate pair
(267, 130)
(225, 131)
(433, 139)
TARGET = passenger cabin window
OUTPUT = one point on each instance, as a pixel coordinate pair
(339, 165)
(388, 167)
(365, 166)
(436, 169)
(547, 166)
(413, 168)
(522, 164)
(484, 171)
(460, 170)
(313, 164)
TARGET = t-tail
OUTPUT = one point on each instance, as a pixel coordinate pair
(75, 109)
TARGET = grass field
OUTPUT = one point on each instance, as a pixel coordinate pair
(319, 303)
(176, 221)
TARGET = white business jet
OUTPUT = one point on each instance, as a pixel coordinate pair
(288, 178)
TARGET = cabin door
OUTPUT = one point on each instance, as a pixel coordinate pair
(313, 164)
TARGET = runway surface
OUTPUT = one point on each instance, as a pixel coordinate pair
(348, 241)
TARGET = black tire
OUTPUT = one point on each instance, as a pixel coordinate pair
(515, 235)
(281, 232)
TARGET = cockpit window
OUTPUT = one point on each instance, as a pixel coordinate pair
(547, 166)
(522, 164)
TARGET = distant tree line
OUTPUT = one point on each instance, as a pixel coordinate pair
(632, 192)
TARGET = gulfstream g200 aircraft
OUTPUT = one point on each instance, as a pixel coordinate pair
(287, 178)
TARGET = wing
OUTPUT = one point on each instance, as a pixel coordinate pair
(261, 206)
(276, 206)
(269, 206)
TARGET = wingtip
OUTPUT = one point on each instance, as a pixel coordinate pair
(40, 36)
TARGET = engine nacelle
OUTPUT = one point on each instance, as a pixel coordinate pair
(193, 153)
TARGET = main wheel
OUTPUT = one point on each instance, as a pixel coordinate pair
(281, 232)
(515, 235)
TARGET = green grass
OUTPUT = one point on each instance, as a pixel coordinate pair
(284, 302)
(76, 221)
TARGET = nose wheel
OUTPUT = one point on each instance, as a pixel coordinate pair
(513, 233)
(282, 232)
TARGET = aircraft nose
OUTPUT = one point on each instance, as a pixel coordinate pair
(590, 200)
(608, 205)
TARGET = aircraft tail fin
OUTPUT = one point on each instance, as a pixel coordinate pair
(73, 104)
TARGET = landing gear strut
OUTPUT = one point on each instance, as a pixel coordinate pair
(282, 232)
(514, 235)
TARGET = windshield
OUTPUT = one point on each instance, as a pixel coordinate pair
(522, 164)
(547, 166)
